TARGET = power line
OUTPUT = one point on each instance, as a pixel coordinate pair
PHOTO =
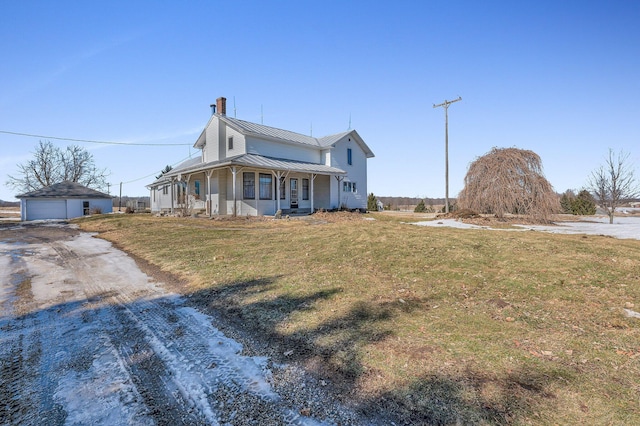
(153, 174)
(91, 141)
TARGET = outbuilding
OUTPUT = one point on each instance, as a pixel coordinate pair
(64, 200)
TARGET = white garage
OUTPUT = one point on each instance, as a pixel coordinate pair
(64, 200)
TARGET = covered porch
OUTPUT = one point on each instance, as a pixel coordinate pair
(257, 186)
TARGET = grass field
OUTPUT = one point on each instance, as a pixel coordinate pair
(436, 325)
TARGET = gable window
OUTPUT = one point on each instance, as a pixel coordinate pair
(230, 144)
(349, 157)
(249, 185)
(196, 185)
(266, 186)
(283, 194)
(305, 189)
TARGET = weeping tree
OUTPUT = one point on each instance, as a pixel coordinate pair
(509, 180)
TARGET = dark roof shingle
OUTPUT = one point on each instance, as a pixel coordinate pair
(65, 189)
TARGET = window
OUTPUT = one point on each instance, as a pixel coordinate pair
(266, 186)
(349, 157)
(283, 194)
(196, 185)
(305, 189)
(349, 187)
(249, 185)
(165, 190)
(85, 208)
(230, 142)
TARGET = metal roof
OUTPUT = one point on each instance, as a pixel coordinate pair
(65, 189)
(272, 132)
(287, 165)
(251, 160)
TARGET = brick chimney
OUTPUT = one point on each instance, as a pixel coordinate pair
(221, 106)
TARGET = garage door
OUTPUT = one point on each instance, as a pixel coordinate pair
(46, 209)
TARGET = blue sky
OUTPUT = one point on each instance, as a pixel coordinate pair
(561, 78)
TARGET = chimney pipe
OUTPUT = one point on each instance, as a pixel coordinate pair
(213, 108)
(221, 104)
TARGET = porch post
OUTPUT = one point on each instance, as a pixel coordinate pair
(339, 179)
(209, 209)
(186, 195)
(234, 171)
(313, 178)
(172, 184)
(278, 176)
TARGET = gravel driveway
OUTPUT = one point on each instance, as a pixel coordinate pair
(87, 338)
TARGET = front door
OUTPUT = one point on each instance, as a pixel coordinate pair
(293, 194)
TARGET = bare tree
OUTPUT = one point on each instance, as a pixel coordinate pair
(613, 183)
(51, 164)
(509, 180)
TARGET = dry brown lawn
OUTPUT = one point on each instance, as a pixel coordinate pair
(436, 325)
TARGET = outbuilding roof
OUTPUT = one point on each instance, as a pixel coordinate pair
(66, 189)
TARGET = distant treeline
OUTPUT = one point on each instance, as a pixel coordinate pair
(409, 203)
(9, 203)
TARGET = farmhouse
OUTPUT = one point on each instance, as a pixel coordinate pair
(64, 200)
(251, 169)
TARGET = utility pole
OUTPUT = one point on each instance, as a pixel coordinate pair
(445, 105)
(120, 199)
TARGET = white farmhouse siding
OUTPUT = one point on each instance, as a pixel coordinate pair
(239, 144)
(313, 171)
(347, 149)
(282, 150)
(211, 149)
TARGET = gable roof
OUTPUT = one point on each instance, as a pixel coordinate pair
(247, 127)
(260, 130)
(66, 189)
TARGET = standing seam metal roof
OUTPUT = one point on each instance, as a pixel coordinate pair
(251, 160)
(273, 132)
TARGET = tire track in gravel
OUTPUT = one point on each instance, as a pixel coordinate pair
(20, 347)
(179, 362)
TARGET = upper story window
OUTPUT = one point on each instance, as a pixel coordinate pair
(230, 142)
(349, 157)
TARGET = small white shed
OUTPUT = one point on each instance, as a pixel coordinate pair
(64, 200)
